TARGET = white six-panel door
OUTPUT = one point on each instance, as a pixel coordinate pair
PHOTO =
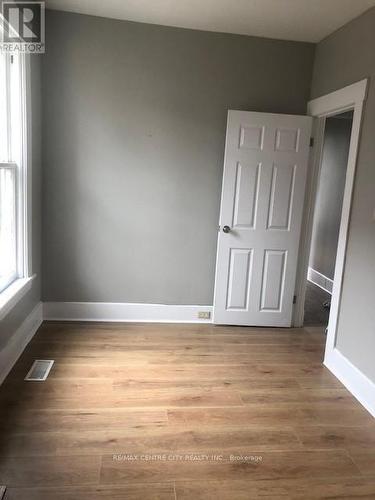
(265, 167)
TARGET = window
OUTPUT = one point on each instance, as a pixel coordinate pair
(13, 171)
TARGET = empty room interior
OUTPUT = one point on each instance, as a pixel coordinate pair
(187, 249)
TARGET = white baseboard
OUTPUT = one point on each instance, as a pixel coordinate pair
(19, 340)
(320, 280)
(354, 380)
(124, 312)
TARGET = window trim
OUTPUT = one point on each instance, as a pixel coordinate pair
(11, 295)
(25, 174)
(12, 167)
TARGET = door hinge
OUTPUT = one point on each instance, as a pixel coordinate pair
(311, 142)
(294, 299)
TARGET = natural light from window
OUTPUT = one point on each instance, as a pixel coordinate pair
(12, 259)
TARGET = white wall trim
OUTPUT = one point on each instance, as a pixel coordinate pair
(10, 297)
(19, 340)
(335, 102)
(320, 280)
(354, 380)
(126, 312)
(27, 163)
(350, 97)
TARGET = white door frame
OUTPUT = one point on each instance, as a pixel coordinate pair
(348, 98)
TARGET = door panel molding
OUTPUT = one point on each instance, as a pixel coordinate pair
(268, 296)
(242, 268)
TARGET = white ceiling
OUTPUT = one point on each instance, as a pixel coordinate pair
(303, 20)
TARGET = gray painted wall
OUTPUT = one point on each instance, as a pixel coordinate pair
(17, 315)
(343, 58)
(327, 215)
(134, 129)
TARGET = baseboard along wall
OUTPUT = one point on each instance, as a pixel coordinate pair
(127, 312)
(360, 386)
(320, 280)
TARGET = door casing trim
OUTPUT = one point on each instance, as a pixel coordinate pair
(348, 98)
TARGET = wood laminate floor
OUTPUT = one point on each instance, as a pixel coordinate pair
(315, 313)
(152, 411)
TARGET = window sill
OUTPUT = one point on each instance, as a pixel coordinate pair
(13, 294)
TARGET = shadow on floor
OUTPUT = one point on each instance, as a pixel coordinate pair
(315, 312)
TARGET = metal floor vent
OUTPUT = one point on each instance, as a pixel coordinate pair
(39, 370)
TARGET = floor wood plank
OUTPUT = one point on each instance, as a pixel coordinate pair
(291, 489)
(152, 440)
(153, 491)
(364, 459)
(335, 436)
(274, 465)
(22, 419)
(49, 471)
(102, 394)
(151, 411)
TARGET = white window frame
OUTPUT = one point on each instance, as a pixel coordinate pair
(11, 295)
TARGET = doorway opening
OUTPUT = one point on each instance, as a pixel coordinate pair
(350, 98)
(327, 218)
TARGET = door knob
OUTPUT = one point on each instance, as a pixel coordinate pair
(226, 229)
